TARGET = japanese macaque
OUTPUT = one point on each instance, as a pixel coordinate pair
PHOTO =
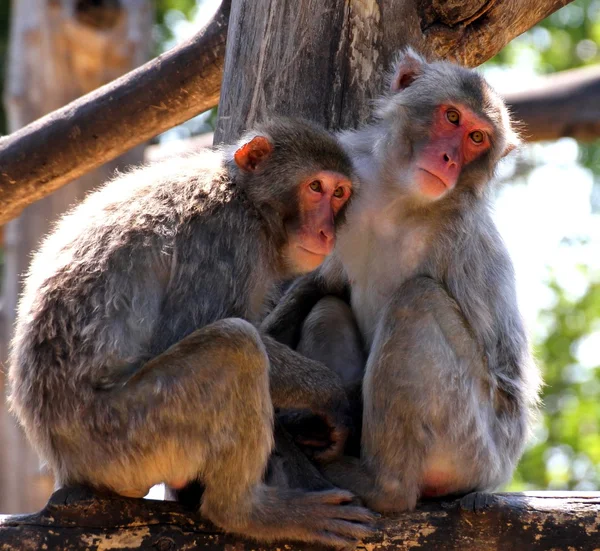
(449, 387)
(135, 359)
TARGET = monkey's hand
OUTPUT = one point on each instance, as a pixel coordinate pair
(321, 434)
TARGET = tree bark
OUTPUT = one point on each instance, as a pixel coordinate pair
(326, 59)
(57, 51)
(76, 519)
(323, 59)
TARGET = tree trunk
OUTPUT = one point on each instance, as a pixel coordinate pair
(59, 50)
(326, 59)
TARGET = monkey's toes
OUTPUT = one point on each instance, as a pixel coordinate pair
(477, 501)
(329, 497)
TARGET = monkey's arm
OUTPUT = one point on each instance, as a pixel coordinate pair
(297, 382)
(284, 323)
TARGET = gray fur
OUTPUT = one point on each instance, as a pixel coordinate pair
(450, 385)
(135, 360)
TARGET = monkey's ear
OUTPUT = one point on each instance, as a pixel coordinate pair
(249, 156)
(513, 141)
(408, 67)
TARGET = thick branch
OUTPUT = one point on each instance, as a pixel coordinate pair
(101, 125)
(76, 519)
(562, 104)
(472, 31)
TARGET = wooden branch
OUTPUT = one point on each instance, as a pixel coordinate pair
(472, 31)
(76, 519)
(103, 124)
(562, 104)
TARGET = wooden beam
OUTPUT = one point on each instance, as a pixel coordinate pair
(77, 519)
(559, 105)
(98, 127)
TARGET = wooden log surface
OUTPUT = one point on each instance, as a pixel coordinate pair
(77, 519)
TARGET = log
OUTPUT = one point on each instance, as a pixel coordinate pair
(78, 519)
(560, 105)
(103, 124)
(361, 37)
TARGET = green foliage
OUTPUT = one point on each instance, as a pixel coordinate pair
(567, 39)
(565, 453)
(168, 14)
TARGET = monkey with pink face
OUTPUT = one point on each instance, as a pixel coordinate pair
(136, 358)
(432, 331)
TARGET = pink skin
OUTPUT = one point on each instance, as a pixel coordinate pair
(315, 237)
(450, 147)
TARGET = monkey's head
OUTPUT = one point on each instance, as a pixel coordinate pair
(297, 175)
(448, 127)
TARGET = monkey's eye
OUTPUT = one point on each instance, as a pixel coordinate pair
(476, 136)
(453, 116)
(339, 192)
(315, 185)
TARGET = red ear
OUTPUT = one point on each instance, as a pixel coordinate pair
(408, 67)
(251, 154)
(512, 142)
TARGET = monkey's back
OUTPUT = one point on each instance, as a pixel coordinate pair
(137, 266)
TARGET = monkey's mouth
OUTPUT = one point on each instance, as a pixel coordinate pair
(314, 253)
(430, 184)
(435, 176)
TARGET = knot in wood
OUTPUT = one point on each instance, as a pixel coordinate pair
(165, 544)
(100, 14)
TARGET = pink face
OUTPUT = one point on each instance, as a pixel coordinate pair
(320, 198)
(458, 137)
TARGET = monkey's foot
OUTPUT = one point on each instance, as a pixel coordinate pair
(326, 517)
(477, 502)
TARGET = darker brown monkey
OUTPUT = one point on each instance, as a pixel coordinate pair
(135, 359)
(450, 385)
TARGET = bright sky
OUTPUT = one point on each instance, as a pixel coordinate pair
(547, 221)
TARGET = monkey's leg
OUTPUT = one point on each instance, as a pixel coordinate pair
(284, 322)
(330, 335)
(427, 402)
(289, 467)
(228, 419)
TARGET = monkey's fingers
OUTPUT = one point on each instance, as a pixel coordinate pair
(316, 517)
(341, 526)
(335, 449)
(320, 443)
(329, 497)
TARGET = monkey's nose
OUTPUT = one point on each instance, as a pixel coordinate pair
(448, 160)
(327, 237)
